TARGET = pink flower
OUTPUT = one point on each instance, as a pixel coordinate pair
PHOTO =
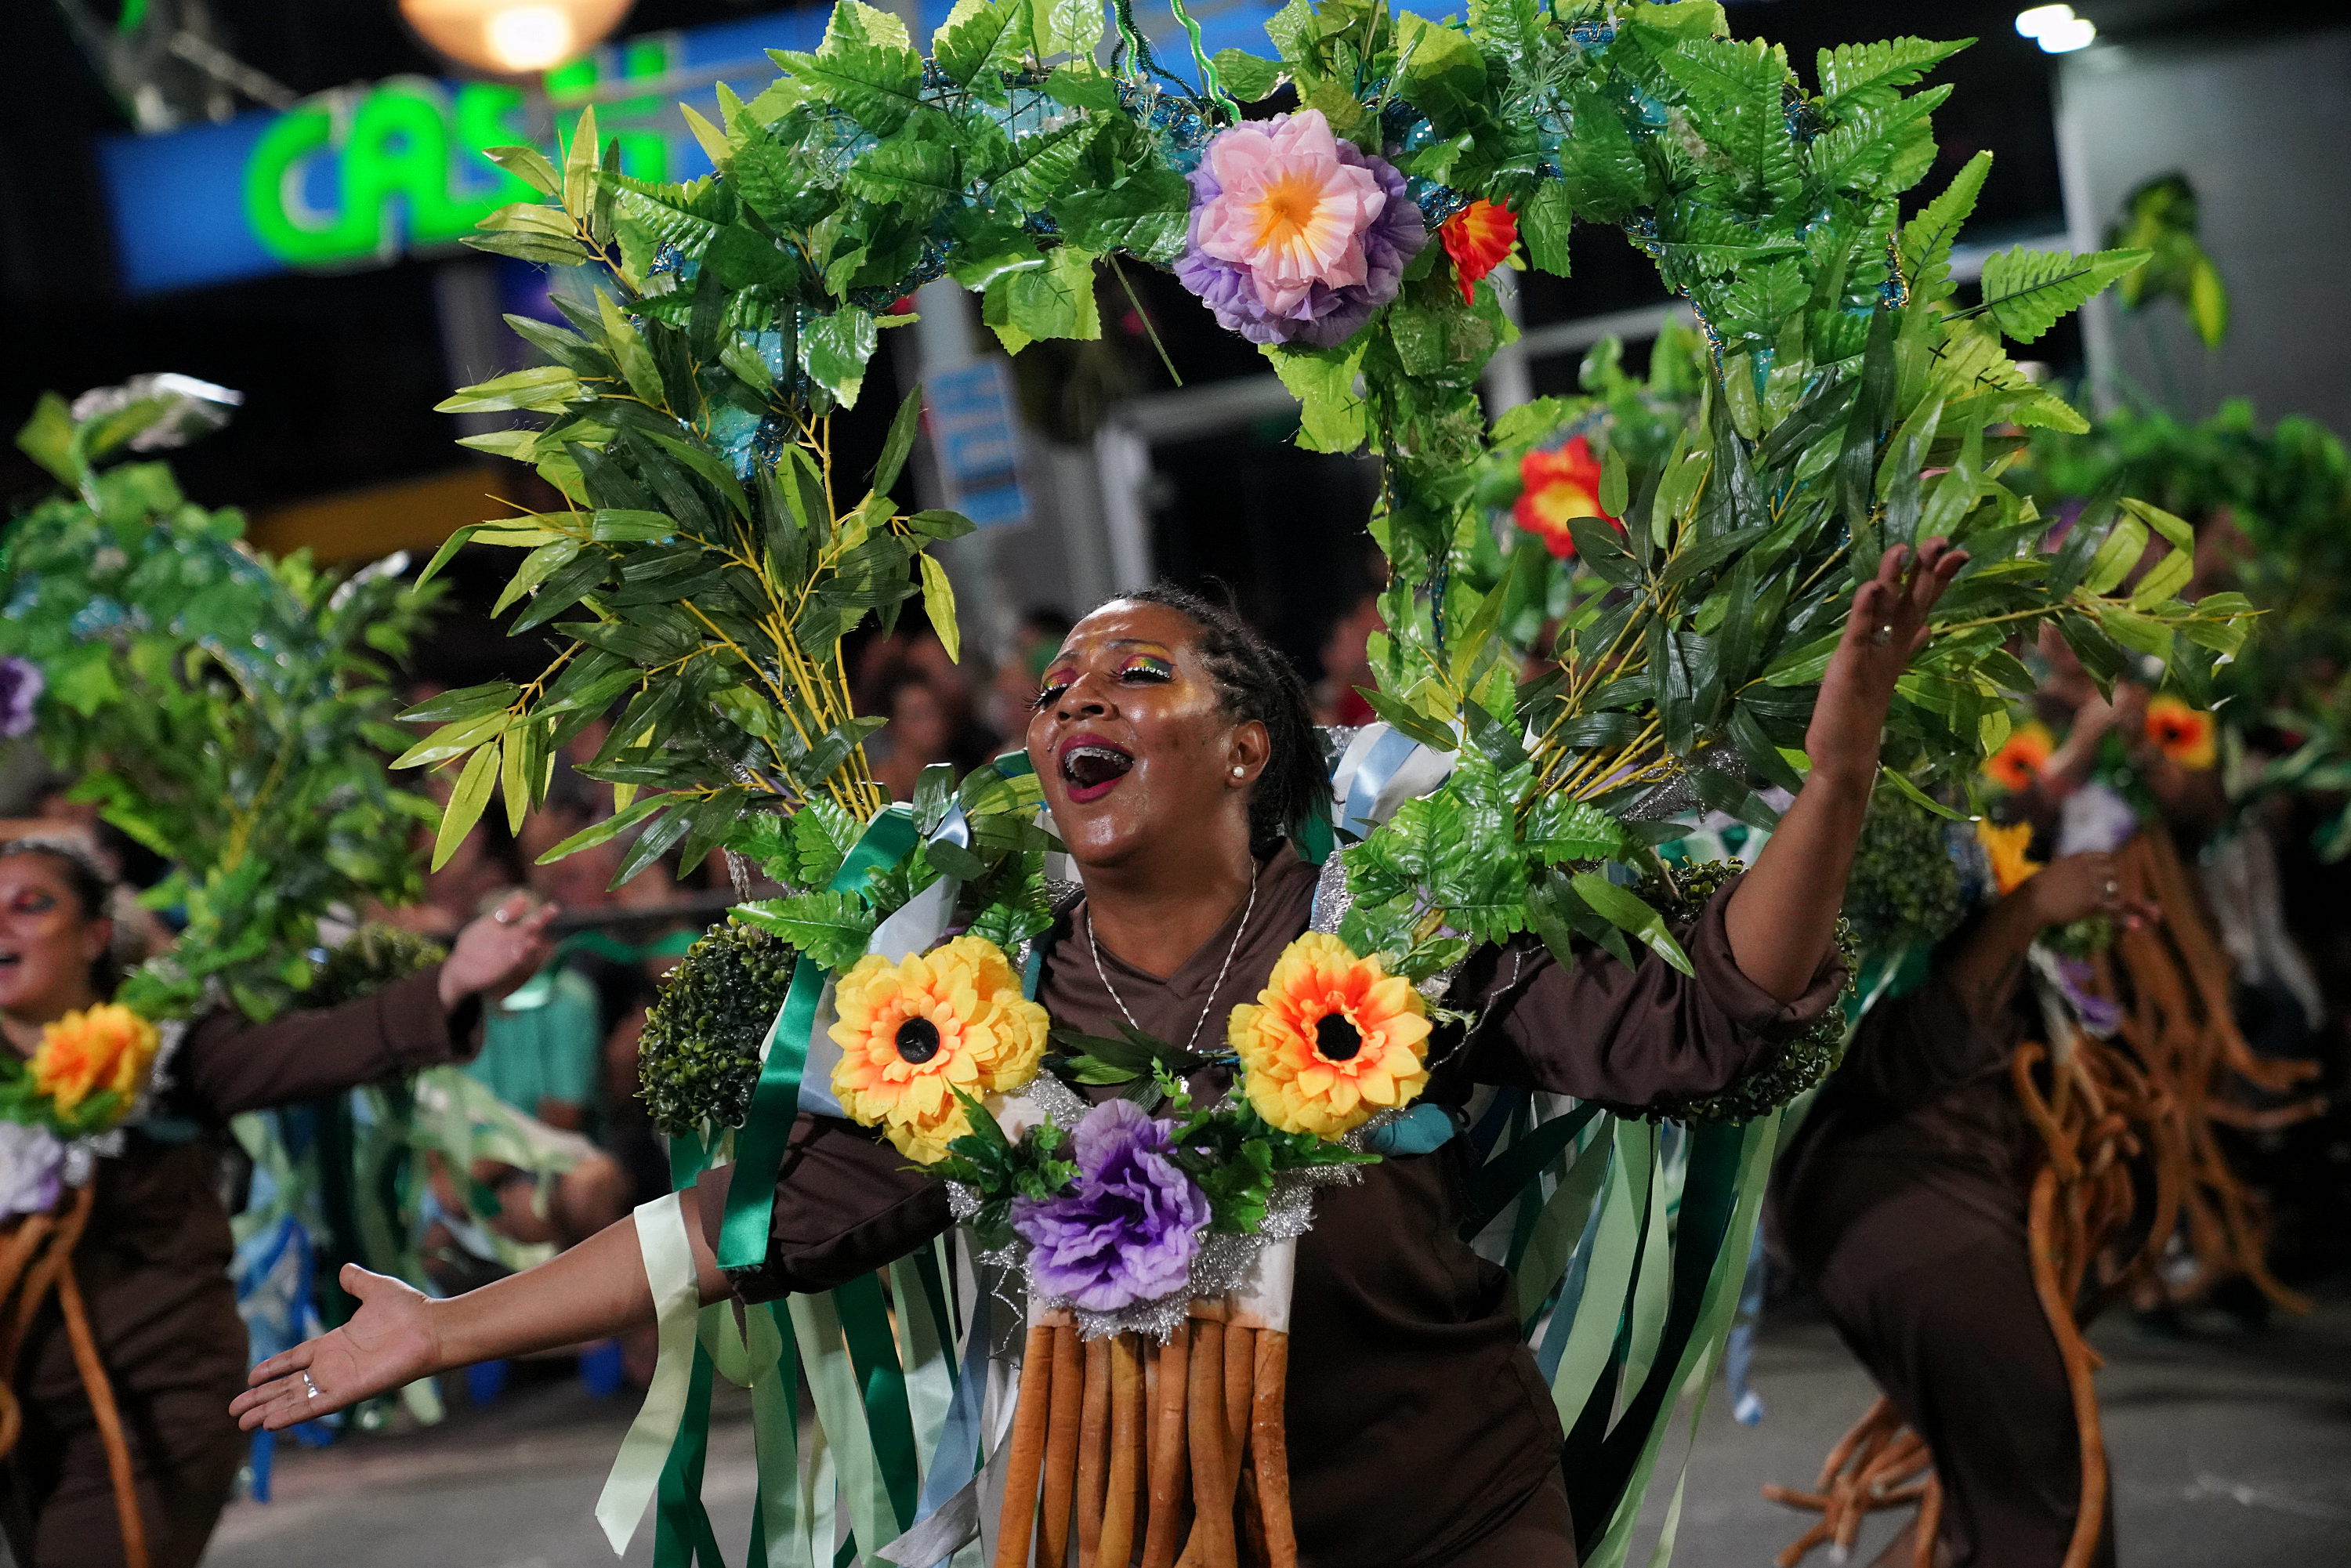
(1291, 210)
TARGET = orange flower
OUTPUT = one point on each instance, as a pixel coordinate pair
(2020, 758)
(1330, 1039)
(85, 1053)
(1560, 486)
(1479, 238)
(2181, 732)
(908, 1031)
(2012, 868)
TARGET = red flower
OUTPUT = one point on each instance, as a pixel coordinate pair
(1479, 238)
(1560, 486)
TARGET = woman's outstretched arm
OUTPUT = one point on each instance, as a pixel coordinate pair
(1783, 915)
(593, 1292)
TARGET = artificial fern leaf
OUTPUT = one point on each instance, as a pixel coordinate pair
(2026, 290)
(1926, 239)
(1850, 71)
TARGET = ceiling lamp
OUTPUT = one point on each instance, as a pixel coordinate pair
(514, 38)
(2056, 29)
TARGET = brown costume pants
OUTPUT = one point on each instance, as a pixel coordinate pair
(185, 1454)
(1935, 1296)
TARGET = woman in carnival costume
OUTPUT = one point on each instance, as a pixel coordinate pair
(153, 1262)
(1901, 1202)
(118, 1081)
(1176, 754)
(1743, 599)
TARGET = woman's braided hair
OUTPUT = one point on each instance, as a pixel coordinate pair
(1258, 682)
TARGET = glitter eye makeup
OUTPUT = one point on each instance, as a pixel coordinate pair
(1149, 665)
(1057, 681)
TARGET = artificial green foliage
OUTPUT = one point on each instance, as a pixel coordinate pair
(1002, 1169)
(367, 960)
(1841, 403)
(698, 1058)
(1234, 1155)
(1805, 1060)
(2286, 491)
(2161, 218)
(225, 709)
(1904, 889)
(981, 832)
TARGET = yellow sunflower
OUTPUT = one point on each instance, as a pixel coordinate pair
(2012, 868)
(1331, 1039)
(84, 1053)
(908, 1032)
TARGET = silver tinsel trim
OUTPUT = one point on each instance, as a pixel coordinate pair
(1224, 1263)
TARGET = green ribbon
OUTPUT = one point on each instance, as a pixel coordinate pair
(767, 1132)
(682, 1533)
(865, 1324)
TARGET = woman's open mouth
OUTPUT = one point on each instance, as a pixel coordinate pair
(1091, 768)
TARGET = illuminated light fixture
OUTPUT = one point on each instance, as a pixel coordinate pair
(2056, 29)
(514, 38)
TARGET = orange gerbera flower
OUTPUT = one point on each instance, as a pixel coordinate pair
(1331, 1039)
(2012, 868)
(1561, 486)
(2184, 734)
(86, 1053)
(2022, 756)
(1479, 238)
(953, 1018)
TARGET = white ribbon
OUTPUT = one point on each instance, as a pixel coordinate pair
(668, 1258)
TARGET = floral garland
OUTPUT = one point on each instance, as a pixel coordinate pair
(61, 1108)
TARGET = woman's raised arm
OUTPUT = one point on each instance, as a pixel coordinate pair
(1783, 915)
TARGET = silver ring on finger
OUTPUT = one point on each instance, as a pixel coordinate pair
(2113, 890)
(1882, 636)
(310, 1389)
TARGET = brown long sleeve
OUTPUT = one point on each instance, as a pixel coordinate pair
(1636, 1036)
(846, 1203)
(228, 1064)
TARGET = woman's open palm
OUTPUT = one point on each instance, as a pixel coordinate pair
(388, 1343)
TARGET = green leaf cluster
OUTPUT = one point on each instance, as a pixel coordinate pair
(1001, 1169)
(982, 832)
(1803, 1061)
(698, 1059)
(227, 709)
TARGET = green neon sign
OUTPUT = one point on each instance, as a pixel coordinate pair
(398, 167)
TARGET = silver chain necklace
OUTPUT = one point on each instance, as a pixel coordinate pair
(1225, 969)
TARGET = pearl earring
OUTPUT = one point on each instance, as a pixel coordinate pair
(1239, 771)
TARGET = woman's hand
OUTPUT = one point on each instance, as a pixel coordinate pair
(1783, 917)
(1886, 626)
(498, 952)
(390, 1342)
(2075, 887)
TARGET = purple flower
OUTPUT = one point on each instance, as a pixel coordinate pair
(1126, 1232)
(2101, 1016)
(1269, 297)
(32, 1167)
(20, 688)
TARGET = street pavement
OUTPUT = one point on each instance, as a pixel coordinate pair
(2230, 1450)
